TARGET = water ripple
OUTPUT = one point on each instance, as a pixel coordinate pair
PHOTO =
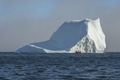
(59, 66)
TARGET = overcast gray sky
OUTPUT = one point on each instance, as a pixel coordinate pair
(28, 21)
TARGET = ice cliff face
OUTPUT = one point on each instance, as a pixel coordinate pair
(84, 36)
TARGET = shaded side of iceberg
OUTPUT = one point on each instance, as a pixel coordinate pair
(84, 36)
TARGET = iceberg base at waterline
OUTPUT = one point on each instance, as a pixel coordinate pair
(75, 36)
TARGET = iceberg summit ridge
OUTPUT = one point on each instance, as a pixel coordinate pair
(85, 36)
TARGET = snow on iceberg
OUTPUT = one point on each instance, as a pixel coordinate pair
(84, 36)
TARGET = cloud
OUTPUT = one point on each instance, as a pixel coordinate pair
(43, 10)
(110, 3)
(107, 3)
(26, 8)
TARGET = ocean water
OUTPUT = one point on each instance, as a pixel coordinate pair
(37, 66)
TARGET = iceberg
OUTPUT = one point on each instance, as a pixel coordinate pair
(85, 36)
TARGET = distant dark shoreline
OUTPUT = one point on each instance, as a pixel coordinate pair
(60, 53)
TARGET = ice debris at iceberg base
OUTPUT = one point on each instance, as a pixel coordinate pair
(76, 36)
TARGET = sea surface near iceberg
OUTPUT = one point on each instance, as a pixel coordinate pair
(40, 66)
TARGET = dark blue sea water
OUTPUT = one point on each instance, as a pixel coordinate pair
(36, 66)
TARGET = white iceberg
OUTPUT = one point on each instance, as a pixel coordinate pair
(84, 36)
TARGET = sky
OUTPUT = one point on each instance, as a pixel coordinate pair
(29, 21)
